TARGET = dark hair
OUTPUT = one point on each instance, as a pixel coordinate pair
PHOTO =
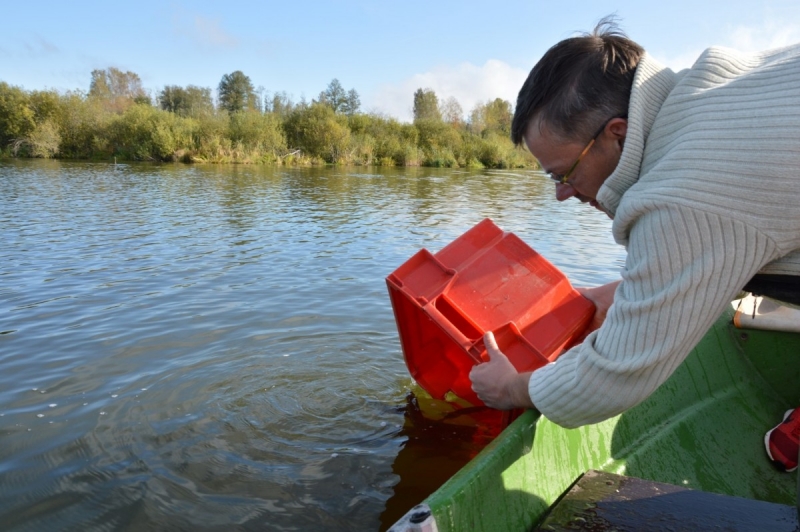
(579, 83)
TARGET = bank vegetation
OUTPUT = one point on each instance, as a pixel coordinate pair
(118, 119)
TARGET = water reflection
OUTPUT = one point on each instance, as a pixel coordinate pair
(440, 439)
(213, 346)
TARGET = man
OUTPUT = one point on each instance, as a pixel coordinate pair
(700, 172)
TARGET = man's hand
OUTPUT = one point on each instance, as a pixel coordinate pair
(497, 382)
(603, 298)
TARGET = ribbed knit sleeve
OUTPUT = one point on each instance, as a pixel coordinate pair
(683, 267)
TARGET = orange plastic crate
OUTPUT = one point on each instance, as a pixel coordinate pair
(485, 280)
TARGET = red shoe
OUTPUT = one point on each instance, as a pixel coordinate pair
(782, 441)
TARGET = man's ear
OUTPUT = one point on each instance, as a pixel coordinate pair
(618, 129)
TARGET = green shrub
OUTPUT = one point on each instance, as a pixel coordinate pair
(44, 140)
(16, 116)
(440, 158)
(83, 127)
(362, 150)
(260, 135)
(146, 133)
(435, 134)
(319, 132)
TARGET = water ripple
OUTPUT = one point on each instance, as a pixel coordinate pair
(212, 347)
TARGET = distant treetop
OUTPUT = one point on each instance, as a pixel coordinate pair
(236, 92)
(341, 101)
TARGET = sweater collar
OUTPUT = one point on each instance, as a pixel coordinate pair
(652, 83)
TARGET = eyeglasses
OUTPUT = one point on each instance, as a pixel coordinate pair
(563, 178)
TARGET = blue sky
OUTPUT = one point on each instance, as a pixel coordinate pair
(472, 51)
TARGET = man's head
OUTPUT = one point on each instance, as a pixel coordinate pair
(577, 92)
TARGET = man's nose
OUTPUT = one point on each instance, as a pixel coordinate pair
(564, 192)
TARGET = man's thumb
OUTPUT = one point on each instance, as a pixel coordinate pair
(492, 350)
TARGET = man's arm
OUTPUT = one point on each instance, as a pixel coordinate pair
(497, 382)
(683, 267)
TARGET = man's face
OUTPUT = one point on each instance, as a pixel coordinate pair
(557, 156)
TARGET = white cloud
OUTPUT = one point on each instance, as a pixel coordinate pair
(467, 83)
(207, 32)
(680, 61)
(210, 31)
(769, 33)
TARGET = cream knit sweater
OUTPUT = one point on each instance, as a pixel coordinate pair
(706, 194)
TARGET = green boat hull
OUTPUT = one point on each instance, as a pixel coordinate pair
(702, 429)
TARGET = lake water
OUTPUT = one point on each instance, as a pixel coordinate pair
(213, 348)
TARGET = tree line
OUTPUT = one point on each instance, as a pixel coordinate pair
(118, 118)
